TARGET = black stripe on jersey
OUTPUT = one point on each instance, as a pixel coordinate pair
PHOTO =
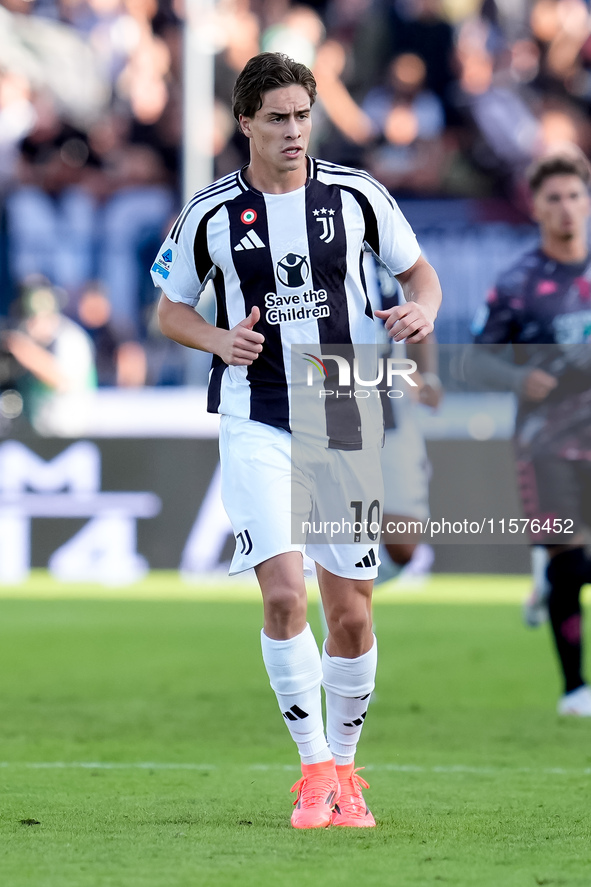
(180, 219)
(218, 367)
(203, 266)
(269, 397)
(212, 191)
(372, 236)
(177, 227)
(368, 308)
(203, 260)
(205, 192)
(327, 245)
(323, 166)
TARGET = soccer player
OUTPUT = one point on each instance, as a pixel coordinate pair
(288, 226)
(543, 306)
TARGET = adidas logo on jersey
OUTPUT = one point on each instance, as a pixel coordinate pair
(249, 241)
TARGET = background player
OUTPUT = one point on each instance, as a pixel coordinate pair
(543, 306)
(285, 226)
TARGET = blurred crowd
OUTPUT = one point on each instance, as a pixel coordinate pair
(436, 98)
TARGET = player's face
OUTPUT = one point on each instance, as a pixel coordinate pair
(561, 207)
(279, 132)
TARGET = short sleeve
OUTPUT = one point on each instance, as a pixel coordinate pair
(174, 269)
(388, 233)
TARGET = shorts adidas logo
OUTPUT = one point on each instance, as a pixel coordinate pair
(369, 560)
(249, 241)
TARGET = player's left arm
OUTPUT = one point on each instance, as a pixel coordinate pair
(414, 319)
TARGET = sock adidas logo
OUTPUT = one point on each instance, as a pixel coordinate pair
(357, 722)
(295, 713)
(249, 241)
(369, 560)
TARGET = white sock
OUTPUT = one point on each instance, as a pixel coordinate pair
(348, 684)
(295, 673)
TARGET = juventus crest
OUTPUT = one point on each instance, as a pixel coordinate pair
(325, 217)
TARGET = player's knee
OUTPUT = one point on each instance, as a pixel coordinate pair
(282, 605)
(350, 626)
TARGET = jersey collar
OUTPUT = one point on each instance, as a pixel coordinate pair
(243, 182)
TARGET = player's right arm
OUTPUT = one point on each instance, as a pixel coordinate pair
(182, 268)
(239, 346)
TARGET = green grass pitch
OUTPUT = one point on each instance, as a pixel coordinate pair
(140, 744)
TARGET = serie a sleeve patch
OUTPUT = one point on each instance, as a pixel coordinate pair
(165, 261)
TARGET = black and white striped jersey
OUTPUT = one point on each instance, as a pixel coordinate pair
(297, 256)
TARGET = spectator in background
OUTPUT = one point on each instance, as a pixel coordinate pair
(503, 119)
(299, 33)
(77, 214)
(420, 27)
(51, 214)
(408, 120)
(405, 86)
(85, 198)
(238, 35)
(59, 359)
(120, 360)
(346, 129)
(562, 29)
(131, 221)
(17, 118)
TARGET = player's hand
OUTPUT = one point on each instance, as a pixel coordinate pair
(537, 385)
(242, 345)
(406, 322)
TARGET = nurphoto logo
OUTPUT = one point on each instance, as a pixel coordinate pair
(386, 368)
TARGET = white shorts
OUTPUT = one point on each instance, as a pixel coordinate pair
(268, 500)
(406, 468)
